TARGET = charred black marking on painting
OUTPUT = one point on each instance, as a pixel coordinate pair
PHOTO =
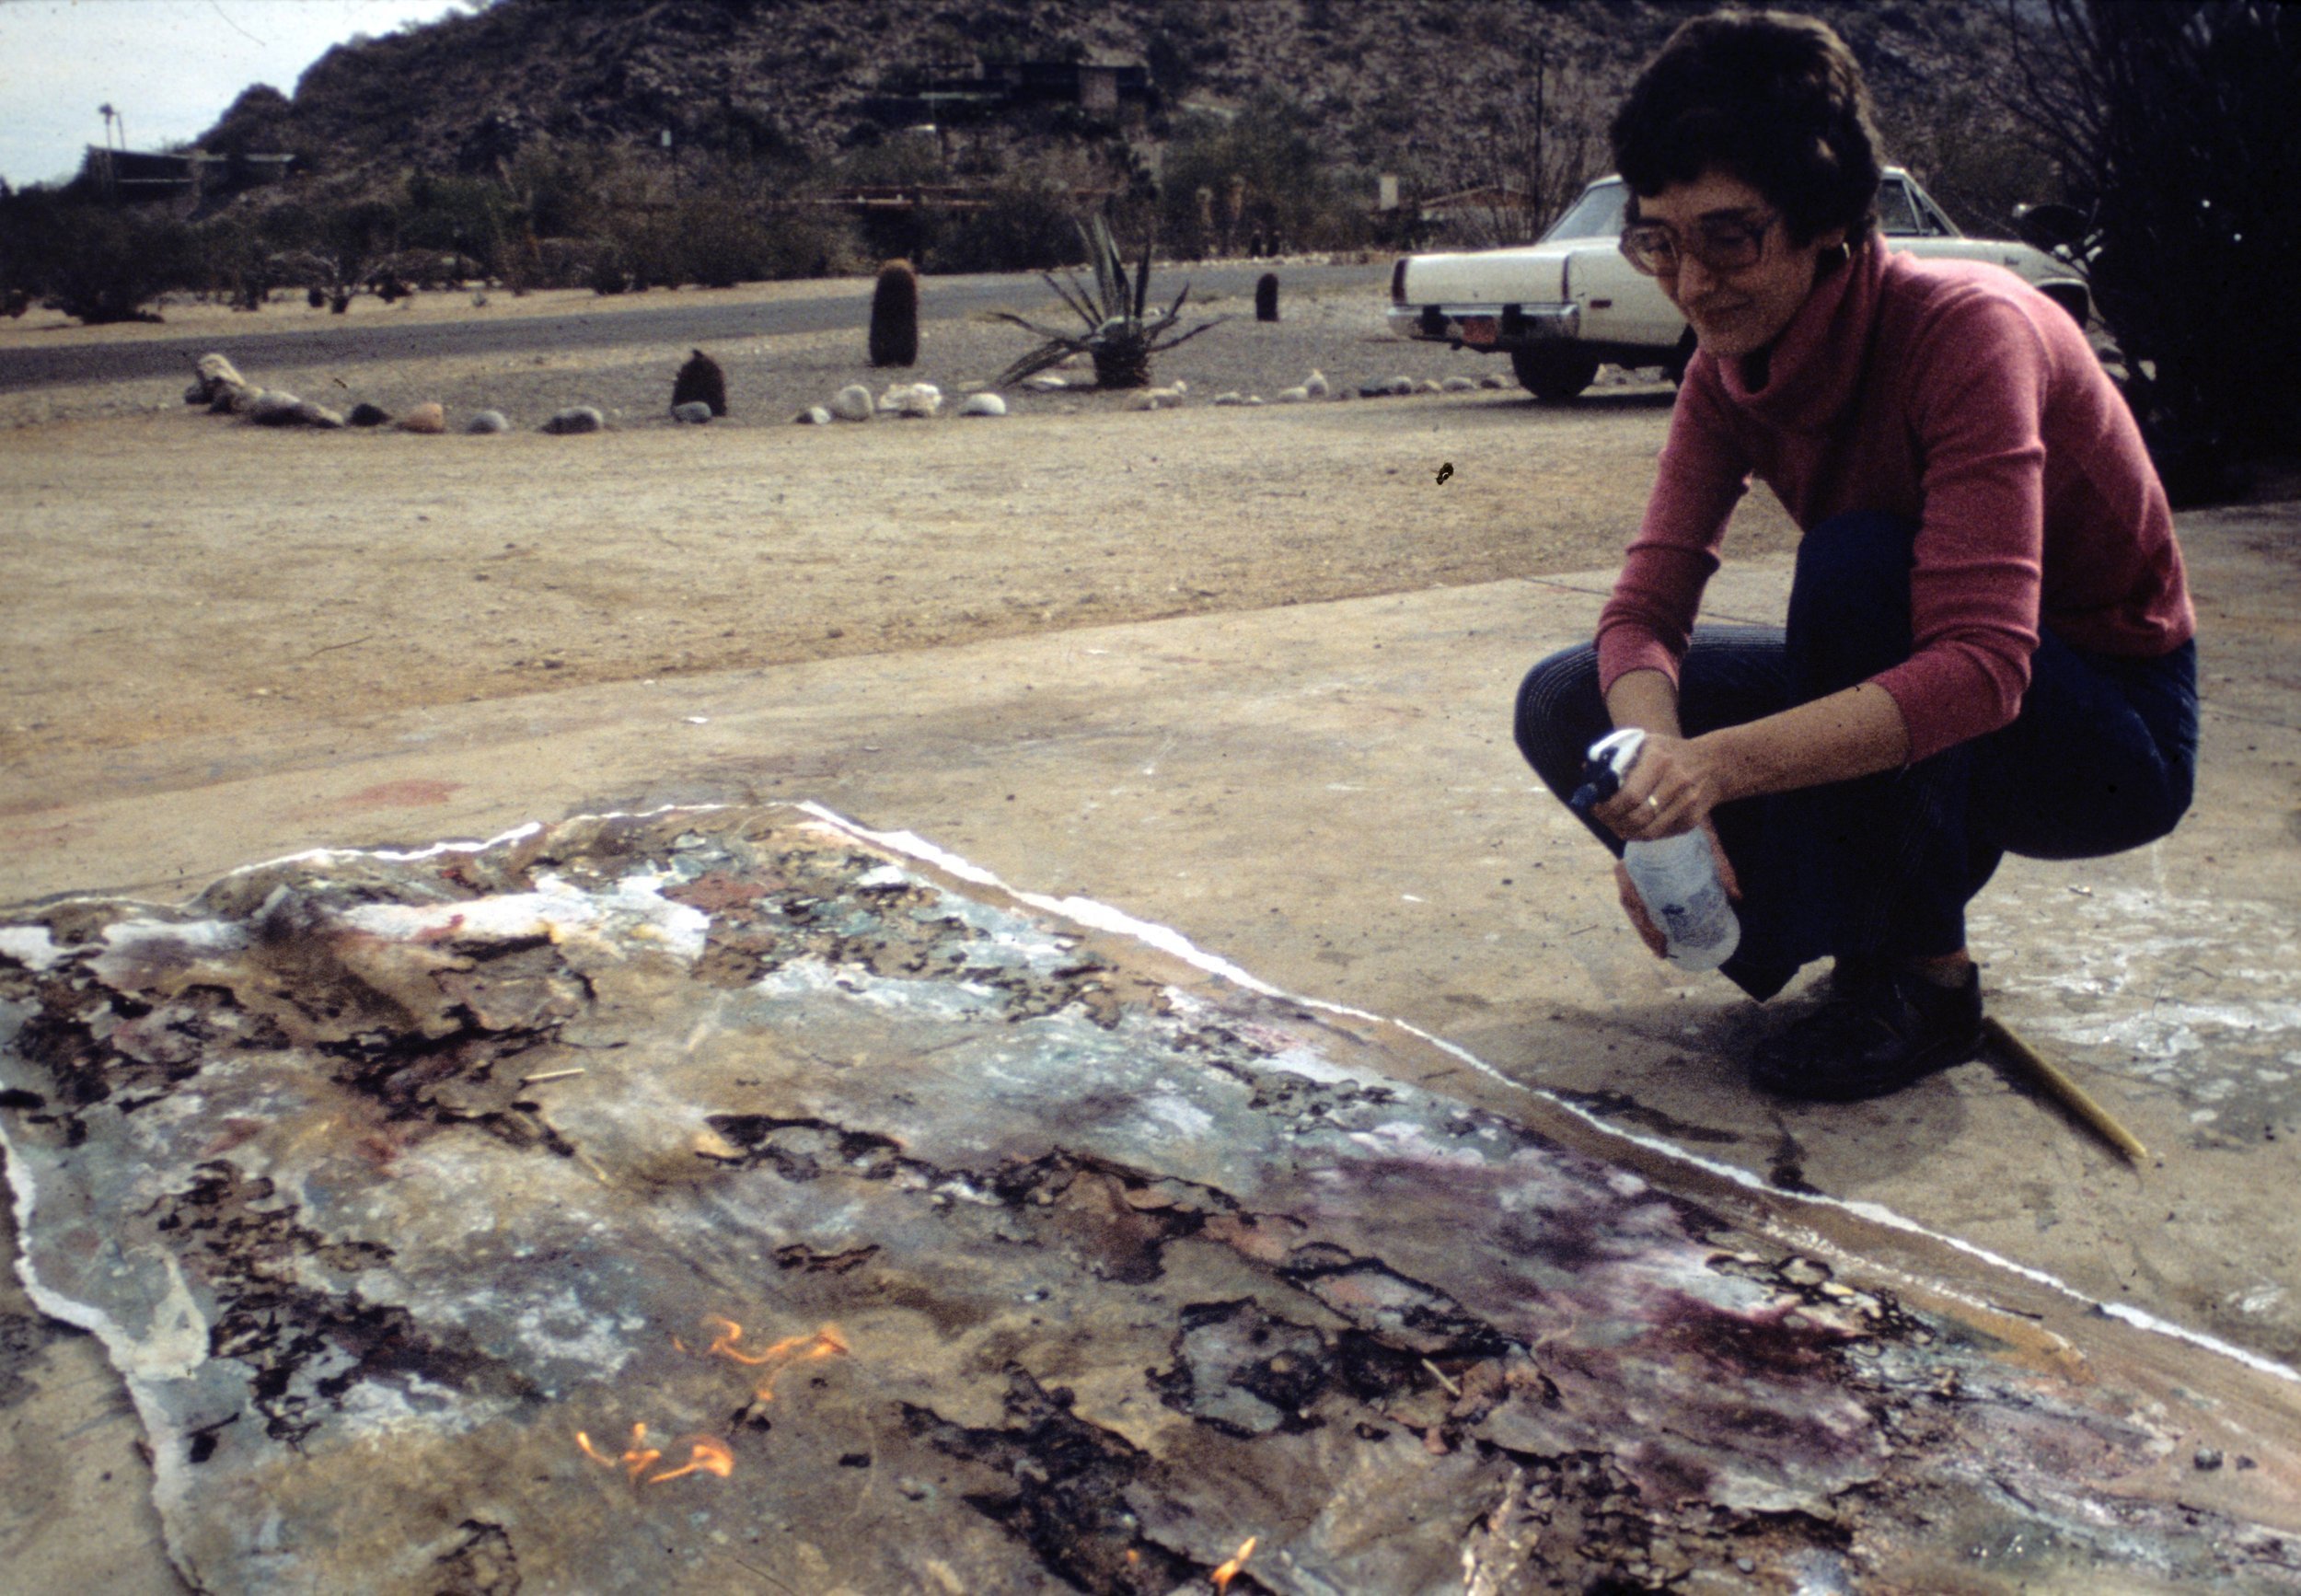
(1066, 1495)
(263, 1318)
(482, 1564)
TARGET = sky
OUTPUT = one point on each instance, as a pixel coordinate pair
(168, 67)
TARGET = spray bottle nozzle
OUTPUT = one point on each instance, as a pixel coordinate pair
(1610, 758)
(1598, 783)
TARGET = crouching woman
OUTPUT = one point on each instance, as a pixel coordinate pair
(1988, 642)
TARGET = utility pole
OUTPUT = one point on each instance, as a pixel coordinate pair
(111, 175)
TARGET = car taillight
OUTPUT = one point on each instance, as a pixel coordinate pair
(1398, 281)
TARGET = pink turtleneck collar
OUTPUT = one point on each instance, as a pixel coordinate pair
(1816, 365)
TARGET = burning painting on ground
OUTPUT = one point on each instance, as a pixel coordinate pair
(730, 1200)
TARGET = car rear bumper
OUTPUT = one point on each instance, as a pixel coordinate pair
(1488, 326)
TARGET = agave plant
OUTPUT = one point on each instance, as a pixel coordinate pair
(1121, 335)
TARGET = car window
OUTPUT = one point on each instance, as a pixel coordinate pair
(1896, 214)
(1935, 220)
(1903, 213)
(1596, 214)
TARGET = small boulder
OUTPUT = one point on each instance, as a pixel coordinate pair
(424, 418)
(695, 412)
(1147, 400)
(813, 416)
(701, 382)
(1045, 382)
(1316, 385)
(915, 399)
(1427, 385)
(1459, 385)
(574, 420)
(1293, 396)
(489, 421)
(1494, 379)
(368, 415)
(272, 407)
(852, 403)
(1228, 399)
(983, 404)
(216, 373)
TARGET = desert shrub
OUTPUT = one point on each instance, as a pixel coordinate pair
(460, 215)
(95, 263)
(806, 243)
(1026, 226)
(227, 259)
(1265, 180)
(561, 190)
(723, 247)
(360, 232)
(2173, 125)
(716, 240)
(912, 232)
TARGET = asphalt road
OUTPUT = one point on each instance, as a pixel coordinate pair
(691, 315)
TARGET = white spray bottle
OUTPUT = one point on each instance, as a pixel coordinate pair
(1676, 877)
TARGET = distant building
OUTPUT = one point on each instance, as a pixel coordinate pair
(139, 175)
(1110, 91)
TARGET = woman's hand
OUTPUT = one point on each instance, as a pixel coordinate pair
(1672, 788)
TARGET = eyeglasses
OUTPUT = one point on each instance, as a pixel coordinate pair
(1720, 243)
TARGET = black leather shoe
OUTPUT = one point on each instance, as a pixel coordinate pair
(1878, 1031)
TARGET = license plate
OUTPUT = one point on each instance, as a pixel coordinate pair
(1481, 330)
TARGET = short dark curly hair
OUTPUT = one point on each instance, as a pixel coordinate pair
(1775, 100)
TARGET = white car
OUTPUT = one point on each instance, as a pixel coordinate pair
(1561, 306)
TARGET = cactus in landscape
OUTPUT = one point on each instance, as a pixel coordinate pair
(701, 382)
(1266, 297)
(1122, 332)
(895, 315)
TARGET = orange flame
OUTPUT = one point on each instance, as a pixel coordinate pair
(827, 1342)
(639, 1457)
(704, 1455)
(1222, 1576)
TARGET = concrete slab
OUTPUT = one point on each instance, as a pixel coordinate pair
(1327, 796)
(1032, 1257)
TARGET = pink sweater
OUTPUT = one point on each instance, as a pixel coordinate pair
(1954, 395)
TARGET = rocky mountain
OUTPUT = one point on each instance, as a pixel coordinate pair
(1438, 90)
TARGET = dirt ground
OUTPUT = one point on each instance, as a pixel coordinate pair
(168, 570)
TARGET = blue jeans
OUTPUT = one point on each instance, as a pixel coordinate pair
(2101, 758)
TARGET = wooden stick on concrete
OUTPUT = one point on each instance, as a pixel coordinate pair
(2063, 1090)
